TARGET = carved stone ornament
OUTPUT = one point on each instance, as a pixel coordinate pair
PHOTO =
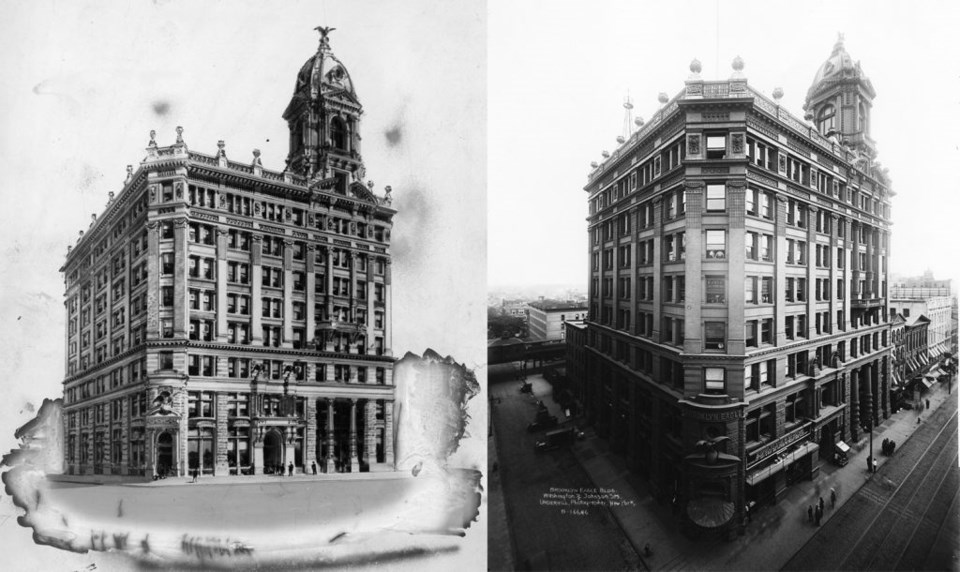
(180, 223)
(311, 220)
(256, 209)
(693, 144)
(781, 162)
(353, 227)
(288, 215)
(223, 201)
(331, 224)
(153, 193)
(736, 143)
(179, 190)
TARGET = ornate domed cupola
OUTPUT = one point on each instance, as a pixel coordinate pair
(324, 121)
(840, 100)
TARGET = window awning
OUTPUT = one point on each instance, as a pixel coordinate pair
(763, 474)
(926, 382)
(843, 447)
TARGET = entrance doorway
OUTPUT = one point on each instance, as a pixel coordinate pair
(165, 454)
(272, 454)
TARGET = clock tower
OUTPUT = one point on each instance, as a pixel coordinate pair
(840, 99)
(324, 121)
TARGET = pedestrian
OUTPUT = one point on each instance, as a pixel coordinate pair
(833, 498)
(918, 419)
(290, 470)
(194, 475)
(818, 515)
(810, 513)
(313, 466)
(928, 404)
(747, 509)
(820, 504)
(874, 464)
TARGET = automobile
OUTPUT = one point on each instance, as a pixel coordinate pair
(558, 438)
(543, 423)
(526, 387)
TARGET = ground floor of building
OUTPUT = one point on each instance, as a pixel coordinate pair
(230, 433)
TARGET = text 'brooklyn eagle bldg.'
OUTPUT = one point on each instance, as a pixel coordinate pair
(738, 290)
(226, 317)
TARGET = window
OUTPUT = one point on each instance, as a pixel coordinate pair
(166, 263)
(716, 289)
(716, 146)
(750, 290)
(766, 290)
(716, 244)
(766, 331)
(826, 119)
(716, 197)
(715, 380)
(751, 334)
(715, 335)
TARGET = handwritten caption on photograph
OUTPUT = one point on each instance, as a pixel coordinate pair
(579, 501)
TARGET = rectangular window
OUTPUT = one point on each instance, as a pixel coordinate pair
(751, 334)
(716, 197)
(716, 146)
(750, 290)
(715, 380)
(716, 244)
(715, 335)
(716, 289)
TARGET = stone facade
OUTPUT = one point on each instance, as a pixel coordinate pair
(224, 317)
(748, 332)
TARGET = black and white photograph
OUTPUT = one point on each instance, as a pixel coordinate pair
(722, 309)
(243, 277)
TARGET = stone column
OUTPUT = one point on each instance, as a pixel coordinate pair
(780, 265)
(221, 463)
(153, 285)
(328, 461)
(387, 310)
(736, 270)
(835, 304)
(258, 454)
(388, 450)
(311, 294)
(693, 269)
(222, 285)
(310, 436)
(854, 405)
(811, 272)
(181, 309)
(885, 385)
(847, 274)
(329, 277)
(657, 269)
(354, 461)
(256, 289)
(287, 341)
(289, 454)
(370, 432)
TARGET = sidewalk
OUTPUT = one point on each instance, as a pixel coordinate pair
(775, 533)
(238, 480)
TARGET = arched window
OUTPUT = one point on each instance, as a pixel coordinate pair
(825, 120)
(338, 134)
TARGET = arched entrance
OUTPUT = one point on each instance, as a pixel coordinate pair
(165, 464)
(272, 453)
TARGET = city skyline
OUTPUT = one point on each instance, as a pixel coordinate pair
(561, 112)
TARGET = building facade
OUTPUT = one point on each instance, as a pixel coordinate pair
(937, 309)
(232, 319)
(737, 325)
(546, 318)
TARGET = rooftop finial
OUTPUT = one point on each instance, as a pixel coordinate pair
(129, 173)
(324, 39)
(153, 138)
(179, 134)
(838, 47)
(220, 148)
(663, 98)
(256, 157)
(777, 93)
(695, 66)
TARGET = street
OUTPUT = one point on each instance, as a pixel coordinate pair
(546, 536)
(905, 517)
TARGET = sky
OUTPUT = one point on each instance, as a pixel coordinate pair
(559, 73)
(85, 82)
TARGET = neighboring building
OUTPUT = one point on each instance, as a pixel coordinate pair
(545, 318)
(514, 308)
(916, 353)
(898, 367)
(233, 319)
(931, 298)
(576, 359)
(738, 290)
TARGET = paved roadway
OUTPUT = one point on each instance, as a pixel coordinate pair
(906, 517)
(544, 537)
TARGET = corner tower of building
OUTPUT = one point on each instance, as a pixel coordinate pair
(840, 101)
(324, 120)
